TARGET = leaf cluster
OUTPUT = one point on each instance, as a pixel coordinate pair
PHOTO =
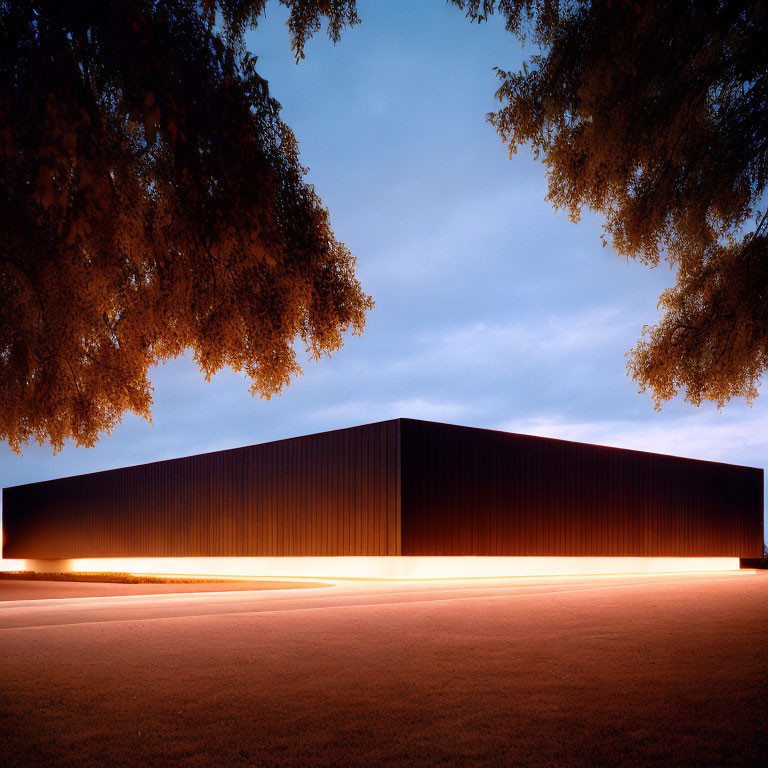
(152, 201)
(656, 115)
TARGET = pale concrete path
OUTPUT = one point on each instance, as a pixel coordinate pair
(592, 671)
(33, 589)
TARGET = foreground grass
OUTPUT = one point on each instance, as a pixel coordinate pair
(108, 578)
(638, 673)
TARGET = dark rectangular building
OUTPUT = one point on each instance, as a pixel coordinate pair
(400, 487)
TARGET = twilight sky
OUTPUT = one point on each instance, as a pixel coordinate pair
(492, 310)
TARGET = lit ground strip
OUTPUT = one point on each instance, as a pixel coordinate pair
(390, 567)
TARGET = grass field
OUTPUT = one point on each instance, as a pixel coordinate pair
(664, 670)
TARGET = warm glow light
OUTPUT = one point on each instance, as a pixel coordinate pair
(390, 567)
(12, 565)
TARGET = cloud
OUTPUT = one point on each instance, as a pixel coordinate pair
(567, 333)
(493, 350)
(711, 436)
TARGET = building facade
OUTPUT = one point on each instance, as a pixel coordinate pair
(399, 488)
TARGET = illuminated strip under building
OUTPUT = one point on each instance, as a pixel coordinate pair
(400, 498)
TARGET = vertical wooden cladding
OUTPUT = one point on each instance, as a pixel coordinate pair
(479, 492)
(333, 493)
(398, 487)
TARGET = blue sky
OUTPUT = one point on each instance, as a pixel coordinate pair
(492, 309)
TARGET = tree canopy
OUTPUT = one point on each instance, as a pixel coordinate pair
(152, 201)
(656, 115)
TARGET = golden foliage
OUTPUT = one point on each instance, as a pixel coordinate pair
(656, 114)
(152, 201)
